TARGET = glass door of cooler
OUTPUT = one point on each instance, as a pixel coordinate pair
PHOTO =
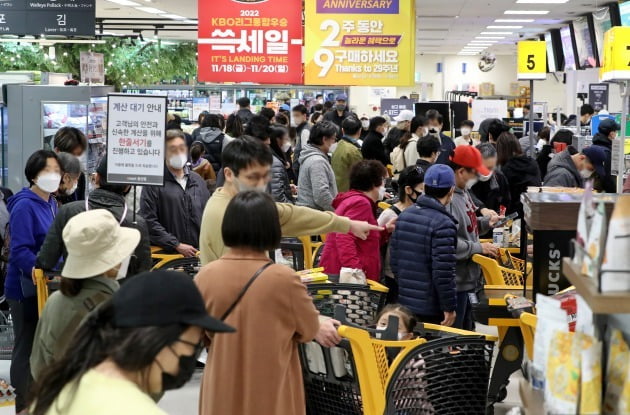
(56, 115)
(96, 135)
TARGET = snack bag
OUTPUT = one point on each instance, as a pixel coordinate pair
(568, 303)
(585, 217)
(551, 318)
(594, 246)
(563, 374)
(615, 274)
(591, 379)
(616, 372)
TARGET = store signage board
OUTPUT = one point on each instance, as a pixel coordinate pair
(359, 42)
(136, 129)
(392, 107)
(200, 104)
(48, 17)
(532, 60)
(488, 108)
(92, 67)
(250, 41)
(598, 96)
(616, 62)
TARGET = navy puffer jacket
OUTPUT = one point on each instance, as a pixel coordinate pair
(423, 258)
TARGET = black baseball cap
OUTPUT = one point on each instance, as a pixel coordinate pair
(161, 298)
(608, 125)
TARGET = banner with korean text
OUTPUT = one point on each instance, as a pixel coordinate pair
(359, 42)
(250, 41)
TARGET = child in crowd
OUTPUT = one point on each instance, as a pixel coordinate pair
(201, 165)
(406, 320)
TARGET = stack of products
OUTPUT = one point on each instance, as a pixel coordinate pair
(314, 275)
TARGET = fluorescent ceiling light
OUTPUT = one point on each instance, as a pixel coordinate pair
(496, 33)
(542, 1)
(484, 41)
(190, 21)
(526, 12)
(468, 53)
(489, 37)
(124, 2)
(480, 44)
(504, 27)
(174, 16)
(514, 21)
(151, 10)
(474, 48)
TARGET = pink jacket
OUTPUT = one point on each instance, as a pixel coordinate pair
(346, 250)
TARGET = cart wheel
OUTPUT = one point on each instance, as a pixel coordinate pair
(502, 393)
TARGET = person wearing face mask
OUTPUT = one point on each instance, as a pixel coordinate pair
(586, 113)
(173, 211)
(365, 128)
(394, 135)
(107, 196)
(571, 169)
(247, 166)
(410, 185)
(71, 140)
(31, 213)
(279, 186)
(339, 113)
(99, 250)
(71, 172)
(299, 117)
(406, 320)
(373, 148)
(467, 164)
(409, 142)
(423, 251)
(142, 342)
(428, 150)
(465, 139)
(520, 170)
(347, 153)
(367, 187)
(493, 191)
(436, 126)
(606, 132)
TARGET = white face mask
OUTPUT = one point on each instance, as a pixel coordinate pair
(243, 187)
(470, 183)
(286, 147)
(424, 132)
(401, 336)
(586, 173)
(466, 131)
(333, 148)
(484, 178)
(124, 267)
(540, 144)
(381, 192)
(48, 182)
(73, 189)
(178, 161)
(365, 124)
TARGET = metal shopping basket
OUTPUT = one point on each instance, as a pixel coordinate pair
(7, 338)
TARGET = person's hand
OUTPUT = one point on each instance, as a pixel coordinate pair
(362, 229)
(327, 335)
(294, 189)
(449, 318)
(186, 250)
(495, 219)
(488, 212)
(490, 249)
(391, 225)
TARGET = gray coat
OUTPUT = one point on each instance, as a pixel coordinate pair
(279, 186)
(561, 172)
(316, 184)
(469, 226)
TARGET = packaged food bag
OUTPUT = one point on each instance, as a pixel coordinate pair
(563, 374)
(585, 217)
(615, 274)
(352, 276)
(551, 318)
(591, 376)
(595, 244)
(616, 373)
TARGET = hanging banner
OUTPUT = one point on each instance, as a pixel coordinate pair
(250, 41)
(598, 96)
(136, 128)
(359, 42)
(92, 68)
(532, 60)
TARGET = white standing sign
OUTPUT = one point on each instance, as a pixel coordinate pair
(488, 108)
(136, 131)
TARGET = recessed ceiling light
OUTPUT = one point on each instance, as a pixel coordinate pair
(526, 12)
(468, 53)
(151, 10)
(173, 16)
(495, 33)
(124, 2)
(481, 43)
(514, 21)
(489, 37)
(542, 1)
(504, 27)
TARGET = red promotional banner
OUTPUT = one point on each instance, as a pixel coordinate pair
(250, 41)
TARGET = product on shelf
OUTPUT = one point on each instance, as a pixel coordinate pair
(616, 373)
(563, 374)
(595, 243)
(551, 318)
(615, 275)
(591, 376)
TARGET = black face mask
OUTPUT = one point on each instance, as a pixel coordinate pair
(187, 365)
(414, 196)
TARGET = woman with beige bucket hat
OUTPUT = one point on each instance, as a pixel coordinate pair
(99, 250)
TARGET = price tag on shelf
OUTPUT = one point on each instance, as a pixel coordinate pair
(616, 62)
(532, 60)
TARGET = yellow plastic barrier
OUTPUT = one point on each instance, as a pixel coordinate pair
(498, 275)
(42, 289)
(528, 322)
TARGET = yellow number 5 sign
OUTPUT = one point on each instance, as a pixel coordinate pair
(532, 60)
(616, 61)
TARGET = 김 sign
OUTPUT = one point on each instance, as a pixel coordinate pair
(532, 60)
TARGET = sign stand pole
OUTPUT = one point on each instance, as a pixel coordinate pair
(532, 144)
(134, 203)
(625, 93)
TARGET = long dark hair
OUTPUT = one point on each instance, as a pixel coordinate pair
(234, 126)
(508, 147)
(131, 349)
(277, 132)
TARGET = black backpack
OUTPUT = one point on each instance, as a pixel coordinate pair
(213, 152)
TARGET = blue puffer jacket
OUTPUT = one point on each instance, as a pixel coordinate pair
(423, 258)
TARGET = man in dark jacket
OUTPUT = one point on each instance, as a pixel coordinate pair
(570, 168)
(299, 118)
(373, 148)
(423, 251)
(340, 113)
(491, 191)
(244, 112)
(428, 149)
(447, 145)
(173, 211)
(606, 132)
(106, 196)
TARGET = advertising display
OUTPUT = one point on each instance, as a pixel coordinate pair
(615, 65)
(92, 67)
(392, 107)
(359, 42)
(598, 96)
(532, 60)
(551, 53)
(488, 108)
(567, 47)
(136, 128)
(51, 17)
(250, 41)
(584, 43)
(602, 22)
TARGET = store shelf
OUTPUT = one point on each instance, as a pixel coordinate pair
(600, 303)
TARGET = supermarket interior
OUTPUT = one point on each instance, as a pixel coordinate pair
(319, 207)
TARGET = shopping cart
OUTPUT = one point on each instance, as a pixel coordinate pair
(174, 262)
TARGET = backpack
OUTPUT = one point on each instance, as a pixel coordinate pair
(213, 151)
(398, 159)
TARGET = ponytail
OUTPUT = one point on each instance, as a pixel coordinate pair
(404, 141)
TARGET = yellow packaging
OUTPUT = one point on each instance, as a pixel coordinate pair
(616, 373)
(591, 376)
(563, 374)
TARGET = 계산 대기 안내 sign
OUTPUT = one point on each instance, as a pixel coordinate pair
(359, 42)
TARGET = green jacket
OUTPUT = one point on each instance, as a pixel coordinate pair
(61, 318)
(345, 156)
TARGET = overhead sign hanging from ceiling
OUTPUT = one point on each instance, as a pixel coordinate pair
(48, 17)
(532, 60)
(250, 41)
(369, 42)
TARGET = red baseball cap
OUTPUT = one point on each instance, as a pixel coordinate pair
(470, 157)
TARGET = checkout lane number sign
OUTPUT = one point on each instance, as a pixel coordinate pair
(136, 132)
(532, 60)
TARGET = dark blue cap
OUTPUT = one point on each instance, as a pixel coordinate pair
(608, 125)
(439, 176)
(341, 97)
(597, 156)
